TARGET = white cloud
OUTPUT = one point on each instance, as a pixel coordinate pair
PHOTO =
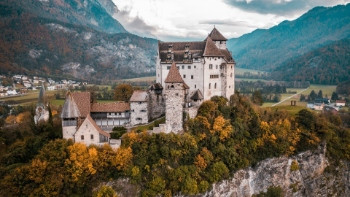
(194, 19)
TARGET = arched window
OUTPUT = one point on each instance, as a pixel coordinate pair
(215, 86)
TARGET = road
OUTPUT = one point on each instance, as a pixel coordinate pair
(289, 97)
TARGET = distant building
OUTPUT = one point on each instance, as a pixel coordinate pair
(340, 103)
(41, 112)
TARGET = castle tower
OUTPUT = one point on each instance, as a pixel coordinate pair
(175, 93)
(218, 38)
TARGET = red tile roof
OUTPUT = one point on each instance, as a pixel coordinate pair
(174, 75)
(82, 100)
(110, 107)
(215, 35)
(211, 49)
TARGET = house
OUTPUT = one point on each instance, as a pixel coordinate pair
(340, 103)
(90, 133)
(139, 105)
(110, 115)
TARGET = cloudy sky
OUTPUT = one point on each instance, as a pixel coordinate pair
(174, 20)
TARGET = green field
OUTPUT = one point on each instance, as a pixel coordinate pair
(27, 99)
(140, 79)
(241, 71)
(326, 89)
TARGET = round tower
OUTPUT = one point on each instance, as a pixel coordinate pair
(175, 94)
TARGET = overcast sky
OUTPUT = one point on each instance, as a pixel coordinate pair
(174, 20)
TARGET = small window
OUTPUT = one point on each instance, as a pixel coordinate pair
(191, 76)
(210, 66)
(143, 110)
(184, 76)
(177, 94)
(195, 66)
(229, 86)
(92, 137)
(138, 118)
(215, 86)
(209, 85)
(231, 74)
(182, 67)
(231, 67)
(119, 114)
(195, 86)
(216, 66)
(82, 137)
(168, 67)
(140, 103)
(178, 67)
(189, 67)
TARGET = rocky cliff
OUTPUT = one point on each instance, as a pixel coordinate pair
(306, 174)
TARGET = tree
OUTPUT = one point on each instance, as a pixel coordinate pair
(123, 92)
(257, 98)
(312, 95)
(302, 97)
(334, 96)
(105, 191)
(320, 94)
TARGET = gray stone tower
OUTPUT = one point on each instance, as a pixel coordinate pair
(175, 94)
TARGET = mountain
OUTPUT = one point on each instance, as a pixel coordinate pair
(329, 64)
(60, 40)
(91, 13)
(266, 49)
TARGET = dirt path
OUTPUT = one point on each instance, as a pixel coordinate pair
(289, 97)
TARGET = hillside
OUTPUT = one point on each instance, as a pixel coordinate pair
(326, 65)
(95, 14)
(38, 45)
(266, 49)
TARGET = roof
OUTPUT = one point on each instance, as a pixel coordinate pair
(139, 96)
(93, 123)
(174, 75)
(82, 100)
(178, 49)
(227, 55)
(110, 107)
(197, 95)
(70, 108)
(215, 35)
(340, 101)
(211, 49)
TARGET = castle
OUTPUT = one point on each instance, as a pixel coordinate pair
(187, 73)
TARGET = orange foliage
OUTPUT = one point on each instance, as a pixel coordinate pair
(123, 158)
(223, 127)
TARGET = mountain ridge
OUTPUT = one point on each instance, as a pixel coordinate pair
(266, 49)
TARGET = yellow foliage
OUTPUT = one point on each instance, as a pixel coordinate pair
(22, 116)
(37, 170)
(221, 126)
(265, 126)
(131, 137)
(200, 162)
(123, 158)
(10, 119)
(81, 161)
(135, 171)
(54, 112)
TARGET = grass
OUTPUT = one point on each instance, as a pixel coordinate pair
(241, 71)
(249, 79)
(140, 79)
(150, 125)
(27, 99)
(293, 110)
(326, 89)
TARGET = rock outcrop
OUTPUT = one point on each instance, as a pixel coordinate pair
(306, 174)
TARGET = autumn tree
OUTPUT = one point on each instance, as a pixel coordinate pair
(257, 98)
(123, 92)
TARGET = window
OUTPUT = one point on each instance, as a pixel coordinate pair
(119, 114)
(216, 66)
(214, 76)
(215, 86)
(210, 66)
(189, 67)
(191, 76)
(82, 137)
(229, 86)
(184, 76)
(209, 85)
(168, 67)
(140, 103)
(143, 110)
(177, 94)
(231, 74)
(195, 86)
(231, 67)
(178, 67)
(195, 67)
(182, 67)
(138, 118)
(92, 137)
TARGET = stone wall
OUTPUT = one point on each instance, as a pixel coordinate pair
(139, 113)
(68, 132)
(156, 105)
(174, 103)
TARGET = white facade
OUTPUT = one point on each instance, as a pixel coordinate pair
(139, 113)
(89, 134)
